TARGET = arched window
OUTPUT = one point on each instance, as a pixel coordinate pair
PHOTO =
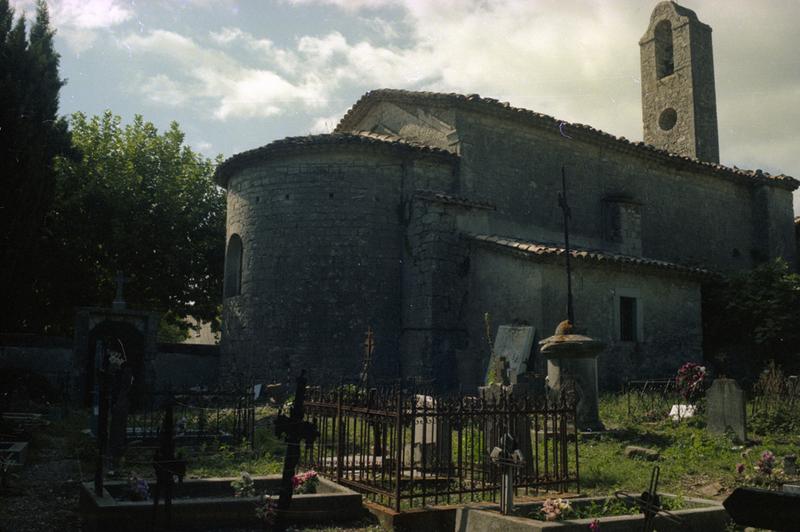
(233, 267)
(665, 61)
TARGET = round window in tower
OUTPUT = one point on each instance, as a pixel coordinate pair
(668, 119)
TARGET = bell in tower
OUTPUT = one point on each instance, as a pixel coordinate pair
(679, 105)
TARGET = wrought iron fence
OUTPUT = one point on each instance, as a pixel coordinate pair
(227, 416)
(403, 449)
(776, 394)
(651, 399)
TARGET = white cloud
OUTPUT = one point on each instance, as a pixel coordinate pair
(576, 60)
(163, 90)
(89, 14)
(233, 89)
(350, 5)
(325, 124)
(79, 22)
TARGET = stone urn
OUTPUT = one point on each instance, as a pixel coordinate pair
(572, 366)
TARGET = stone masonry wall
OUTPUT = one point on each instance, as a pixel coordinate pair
(685, 217)
(323, 238)
(689, 91)
(434, 293)
(516, 290)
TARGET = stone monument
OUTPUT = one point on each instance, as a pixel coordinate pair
(571, 355)
(726, 408)
(572, 367)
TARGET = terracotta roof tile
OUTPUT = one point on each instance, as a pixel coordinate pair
(579, 131)
(294, 144)
(541, 250)
(441, 197)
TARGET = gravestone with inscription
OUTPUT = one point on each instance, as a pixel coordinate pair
(511, 352)
(432, 443)
(725, 402)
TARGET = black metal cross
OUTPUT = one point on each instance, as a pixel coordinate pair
(166, 466)
(369, 348)
(562, 202)
(294, 430)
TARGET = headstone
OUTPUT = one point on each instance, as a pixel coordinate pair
(513, 344)
(432, 437)
(790, 465)
(725, 402)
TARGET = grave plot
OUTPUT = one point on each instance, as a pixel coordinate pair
(406, 450)
(647, 511)
(224, 415)
(212, 503)
(172, 501)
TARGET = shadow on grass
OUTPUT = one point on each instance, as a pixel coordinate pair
(630, 436)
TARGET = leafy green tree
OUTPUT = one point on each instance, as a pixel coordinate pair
(752, 317)
(31, 136)
(142, 203)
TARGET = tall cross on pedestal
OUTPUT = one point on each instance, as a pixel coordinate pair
(119, 301)
(562, 202)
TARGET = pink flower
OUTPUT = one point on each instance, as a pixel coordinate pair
(594, 526)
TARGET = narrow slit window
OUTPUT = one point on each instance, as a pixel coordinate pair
(628, 319)
(665, 60)
(233, 267)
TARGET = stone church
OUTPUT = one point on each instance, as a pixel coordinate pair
(424, 212)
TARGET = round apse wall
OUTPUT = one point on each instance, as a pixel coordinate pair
(668, 119)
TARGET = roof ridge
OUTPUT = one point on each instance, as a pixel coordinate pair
(542, 249)
(288, 144)
(587, 132)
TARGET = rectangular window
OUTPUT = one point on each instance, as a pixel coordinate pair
(628, 320)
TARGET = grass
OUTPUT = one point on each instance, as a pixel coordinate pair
(693, 462)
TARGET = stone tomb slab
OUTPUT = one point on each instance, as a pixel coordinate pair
(13, 452)
(513, 343)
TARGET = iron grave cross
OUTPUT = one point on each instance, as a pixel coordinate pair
(562, 202)
(369, 348)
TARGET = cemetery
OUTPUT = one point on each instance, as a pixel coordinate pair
(519, 455)
(381, 357)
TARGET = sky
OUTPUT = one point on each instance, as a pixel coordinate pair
(239, 74)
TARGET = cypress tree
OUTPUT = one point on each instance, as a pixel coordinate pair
(31, 135)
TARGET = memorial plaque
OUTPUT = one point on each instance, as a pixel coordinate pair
(513, 344)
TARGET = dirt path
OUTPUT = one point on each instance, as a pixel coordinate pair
(44, 494)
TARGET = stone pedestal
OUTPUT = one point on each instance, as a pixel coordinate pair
(572, 366)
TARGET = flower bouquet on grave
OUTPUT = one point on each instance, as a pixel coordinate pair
(267, 510)
(555, 509)
(762, 474)
(305, 482)
(138, 489)
(690, 381)
(244, 486)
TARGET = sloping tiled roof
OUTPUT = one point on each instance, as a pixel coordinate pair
(474, 102)
(536, 250)
(297, 144)
(441, 197)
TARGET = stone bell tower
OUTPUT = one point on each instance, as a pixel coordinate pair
(679, 105)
